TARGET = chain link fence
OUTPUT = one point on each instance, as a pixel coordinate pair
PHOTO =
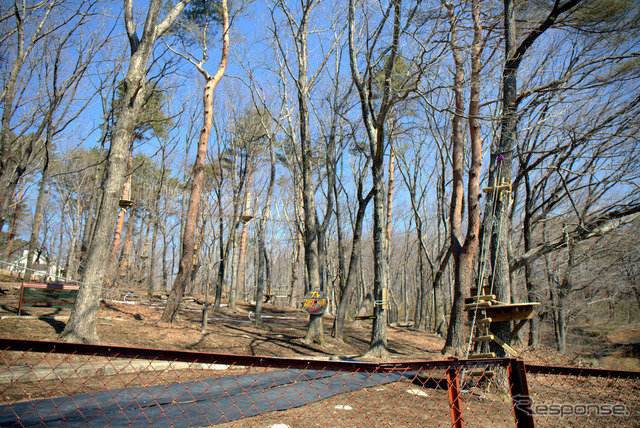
(63, 384)
(582, 397)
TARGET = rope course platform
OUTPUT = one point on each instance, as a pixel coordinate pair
(483, 310)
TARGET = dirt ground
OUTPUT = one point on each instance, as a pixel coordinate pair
(228, 331)
(232, 332)
(136, 324)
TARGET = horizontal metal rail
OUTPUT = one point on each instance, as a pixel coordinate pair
(276, 362)
(48, 382)
(581, 371)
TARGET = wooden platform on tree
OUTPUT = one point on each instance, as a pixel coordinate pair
(502, 312)
(484, 311)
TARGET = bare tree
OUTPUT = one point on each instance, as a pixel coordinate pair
(298, 71)
(378, 72)
(562, 150)
(14, 157)
(348, 288)
(502, 152)
(463, 250)
(263, 261)
(188, 239)
(46, 30)
(82, 322)
(61, 96)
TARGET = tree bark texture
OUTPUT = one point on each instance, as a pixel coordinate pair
(315, 329)
(223, 251)
(464, 250)
(374, 123)
(187, 257)
(241, 276)
(82, 323)
(125, 255)
(112, 266)
(37, 215)
(378, 343)
(501, 158)
(351, 278)
(262, 250)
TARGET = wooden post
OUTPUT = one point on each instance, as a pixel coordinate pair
(455, 404)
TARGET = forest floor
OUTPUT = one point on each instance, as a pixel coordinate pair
(611, 345)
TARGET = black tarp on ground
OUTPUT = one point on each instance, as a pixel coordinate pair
(198, 403)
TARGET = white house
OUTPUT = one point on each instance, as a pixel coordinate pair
(40, 264)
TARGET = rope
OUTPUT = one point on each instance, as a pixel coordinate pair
(482, 259)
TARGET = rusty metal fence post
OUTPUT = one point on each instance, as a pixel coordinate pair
(453, 386)
(520, 394)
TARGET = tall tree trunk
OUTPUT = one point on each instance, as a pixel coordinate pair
(378, 343)
(82, 323)
(11, 235)
(387, 232)
(188, 238)
(233, 232)
(501, 158)
(112, 267)
(262, 251)
(440, 325)
(165, 264)
(475, 141)
(37, 215)
(342, 269)
(71, 265)
(297, 274)
(422, 313)
(60, 255)
(224, 251)
(463, 251)
(241, 277)
(356, 251)
(561, 301)
(374, 122)
(532, 292)
(7, 195)
(560, 324)
(142, 255)
(125, 256)
(315, 329)
(197, 259)
(149, 279)
(89, 225)
(234, 264)
(500, 173)
(296, 282)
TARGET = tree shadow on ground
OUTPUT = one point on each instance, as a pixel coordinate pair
(288, 341)
(57, 325)
(115, 308)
